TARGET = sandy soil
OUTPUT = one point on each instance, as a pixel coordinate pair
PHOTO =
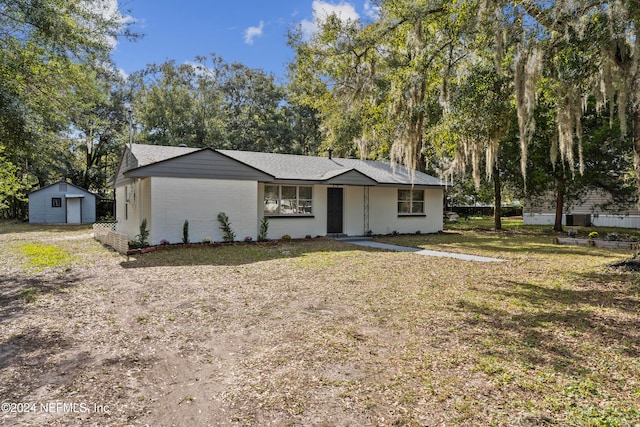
(317, 334)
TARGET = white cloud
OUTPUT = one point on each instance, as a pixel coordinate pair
(371, 10)
(109, 10)
(322, 10)
(253, 32)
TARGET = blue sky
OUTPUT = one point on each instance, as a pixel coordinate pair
(253, 32)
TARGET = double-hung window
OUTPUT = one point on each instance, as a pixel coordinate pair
(410, 202)
(288, 200)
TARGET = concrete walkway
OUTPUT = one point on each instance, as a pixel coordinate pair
(377, 245)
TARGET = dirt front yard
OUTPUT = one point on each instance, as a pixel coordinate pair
(316, 333)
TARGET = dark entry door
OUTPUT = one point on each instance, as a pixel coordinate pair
(334, 210)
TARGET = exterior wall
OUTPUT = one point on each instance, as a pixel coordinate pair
(541, 211)
(384, 218)
(597, 220)
(41, 211)
(174, 200)
(298, 227)
(383, 214)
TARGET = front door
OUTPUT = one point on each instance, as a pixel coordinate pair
(74, 212)
(334, 210)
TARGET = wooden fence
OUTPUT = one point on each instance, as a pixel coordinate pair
(106, 233)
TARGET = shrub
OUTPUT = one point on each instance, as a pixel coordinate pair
(164, 242)
(308, 236)
(143, 238)
(185, 232)
(248, 239)
(572, 232)
(228, 235)
(613, 236)
(593, 235)
(264, 229)
(286, 237)
(206, 240)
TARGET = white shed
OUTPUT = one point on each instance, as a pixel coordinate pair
(62, 203)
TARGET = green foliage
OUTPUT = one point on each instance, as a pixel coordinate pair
(14, 186)
(286, 237)
(185, 232)
(593, 235)
(228, 234)
(211, 103)
(143, 238)
(263, 231)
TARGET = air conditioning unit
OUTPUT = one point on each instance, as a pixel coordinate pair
(583, 220)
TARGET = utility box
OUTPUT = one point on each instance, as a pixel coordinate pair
(583, 220)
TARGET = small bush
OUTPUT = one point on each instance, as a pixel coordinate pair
(248, 239)
(613, 237)
(206, 240)
(593, 235)
(164, 242)
(185, 232)
(286, 237)
(264, 229)
(228, 235)
(572, 232)
(308, 236)
(143, 237)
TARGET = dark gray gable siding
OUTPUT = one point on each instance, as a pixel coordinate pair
(205, 163)
(126, 162)
(352, 177)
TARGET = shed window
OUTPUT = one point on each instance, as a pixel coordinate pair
(410, 202)
(56, 202)
(287, 200)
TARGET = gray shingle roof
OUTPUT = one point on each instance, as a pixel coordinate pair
(147, 154)
(299, 168)
(294, 167)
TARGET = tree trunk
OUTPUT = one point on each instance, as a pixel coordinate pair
(557, 226)
(497, 199)
(635, 118)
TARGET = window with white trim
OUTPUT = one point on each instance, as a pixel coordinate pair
(288, 200)
(410, 202)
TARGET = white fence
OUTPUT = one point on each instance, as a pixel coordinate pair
(106, 234)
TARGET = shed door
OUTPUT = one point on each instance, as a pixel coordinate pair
(334, 210)
(74, 213)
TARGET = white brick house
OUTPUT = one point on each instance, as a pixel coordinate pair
(301, 195)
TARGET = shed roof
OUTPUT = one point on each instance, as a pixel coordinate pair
(289, 167)
(71, 187)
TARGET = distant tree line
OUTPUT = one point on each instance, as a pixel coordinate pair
(504, 99)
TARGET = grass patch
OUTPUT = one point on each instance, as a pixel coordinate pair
(29, 295)
(40, 256)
